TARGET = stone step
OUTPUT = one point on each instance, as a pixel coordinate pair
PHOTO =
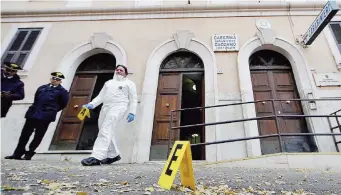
(72, 156)
(324, 161)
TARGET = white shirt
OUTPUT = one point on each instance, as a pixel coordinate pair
(9, 77)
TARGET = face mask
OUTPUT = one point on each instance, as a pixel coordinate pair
(118, 77)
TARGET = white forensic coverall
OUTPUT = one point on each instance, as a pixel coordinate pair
(118, 96)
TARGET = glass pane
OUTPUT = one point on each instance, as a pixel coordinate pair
(8, 57)
(336, 28)
(171, 64)
(18, 41)
(268, 58)
(21, 59)
(98, 62)
(182, 60)
(30, 40)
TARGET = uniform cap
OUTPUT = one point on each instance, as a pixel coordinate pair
(58, 75)
(12, 66)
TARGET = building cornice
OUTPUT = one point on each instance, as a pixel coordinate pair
(242, 6)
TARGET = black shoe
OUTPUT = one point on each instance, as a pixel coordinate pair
(109, 161)
(91, 161)
(29, 155)
(14, 156)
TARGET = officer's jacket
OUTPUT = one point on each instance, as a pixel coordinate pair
(16, 87)
(48, 101)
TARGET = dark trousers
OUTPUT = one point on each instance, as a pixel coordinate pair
(40, 128)
(5, 106)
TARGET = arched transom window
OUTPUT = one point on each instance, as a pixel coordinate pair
(182, 60)
(268, 59)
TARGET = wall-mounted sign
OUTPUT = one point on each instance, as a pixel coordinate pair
(327, 13)
(225, 42)
(327, 79)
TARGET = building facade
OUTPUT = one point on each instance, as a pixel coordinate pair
(180, 54)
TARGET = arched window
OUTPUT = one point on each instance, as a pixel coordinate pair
(98, 62)
(182, 60)
(268, 59)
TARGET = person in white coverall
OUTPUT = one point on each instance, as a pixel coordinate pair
(118, 96)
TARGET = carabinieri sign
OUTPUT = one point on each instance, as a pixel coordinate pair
(327, 13)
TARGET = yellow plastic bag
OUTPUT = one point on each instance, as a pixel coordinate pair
(83, 113)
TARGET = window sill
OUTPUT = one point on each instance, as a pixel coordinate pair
(22, 73)
(23, 102)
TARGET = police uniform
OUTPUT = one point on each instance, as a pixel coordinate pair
(48, 101)
(11, 84)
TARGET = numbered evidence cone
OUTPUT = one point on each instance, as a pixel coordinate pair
(83, 113)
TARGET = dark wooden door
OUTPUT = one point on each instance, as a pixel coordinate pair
(168, 98)
(278, 84)
(70, 127)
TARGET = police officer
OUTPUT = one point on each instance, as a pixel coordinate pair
(48, 101)
(12, 88)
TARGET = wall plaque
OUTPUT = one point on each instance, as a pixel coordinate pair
(225, 42)
(327, 79)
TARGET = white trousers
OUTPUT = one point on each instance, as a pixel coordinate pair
(105, 145)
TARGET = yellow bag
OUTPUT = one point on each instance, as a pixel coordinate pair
(84, 112)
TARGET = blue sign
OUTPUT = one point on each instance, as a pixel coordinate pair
(327, 13)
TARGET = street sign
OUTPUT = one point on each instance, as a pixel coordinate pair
(327, 13)
(84, 112)
(180, 156)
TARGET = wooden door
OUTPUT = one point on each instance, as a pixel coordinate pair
(278, 84)
(70, 127)
(168, 98)
(262, 90)
(285, 88)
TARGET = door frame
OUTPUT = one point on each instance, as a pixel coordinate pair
(203, 155)
(181, 73)
(203, 115)
(304, 82)
(180, 40)
(97, 43)
(270, 70)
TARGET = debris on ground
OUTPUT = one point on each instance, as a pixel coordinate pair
(64, 178)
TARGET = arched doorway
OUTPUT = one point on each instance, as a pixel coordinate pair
(92, 73)
(272, 78)
(181, 85)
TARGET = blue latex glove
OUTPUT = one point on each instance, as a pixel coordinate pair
(130, 117)
(89, 106)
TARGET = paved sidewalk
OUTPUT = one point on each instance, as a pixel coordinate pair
(44, 177)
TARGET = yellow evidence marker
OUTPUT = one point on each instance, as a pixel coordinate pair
(180, 156)
(84, 112)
